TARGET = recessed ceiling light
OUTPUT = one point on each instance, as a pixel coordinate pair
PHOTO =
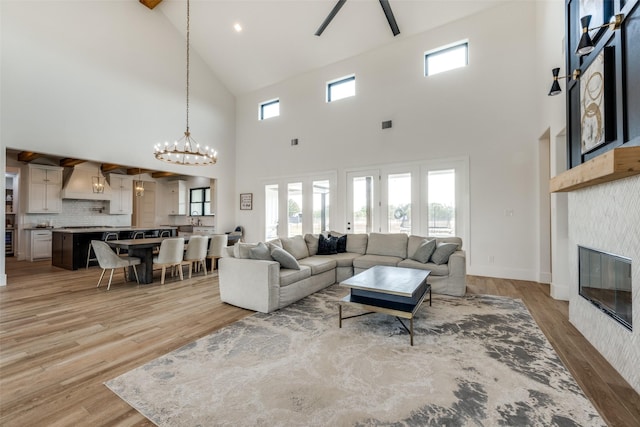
(237, 27)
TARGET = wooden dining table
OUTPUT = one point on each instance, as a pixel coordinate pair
(143, 249)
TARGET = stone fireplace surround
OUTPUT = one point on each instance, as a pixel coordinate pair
(606, 217)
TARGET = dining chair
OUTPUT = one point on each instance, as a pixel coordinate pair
(107, 236)
(107, 258)
(196, 254)
(170, 255)
(216, 249)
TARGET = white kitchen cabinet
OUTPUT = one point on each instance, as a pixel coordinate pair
(38, 244)
(44, 185)
(177, 197)
(121, 194)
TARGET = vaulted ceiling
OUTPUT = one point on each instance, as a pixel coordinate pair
(277, 40)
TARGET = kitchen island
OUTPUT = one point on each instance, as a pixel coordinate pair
(70, 245)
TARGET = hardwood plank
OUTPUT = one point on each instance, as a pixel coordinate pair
(61, 338)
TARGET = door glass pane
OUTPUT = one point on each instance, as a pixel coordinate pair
(320, 206)
(271, 211)
(362, 204)
(294, 214)
(399, 202)
(442, 207)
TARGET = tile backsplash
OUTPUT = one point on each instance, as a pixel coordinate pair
(80, 213)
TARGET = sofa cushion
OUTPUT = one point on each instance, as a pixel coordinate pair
(327, 245)
(312, 243)
(368, 261)
(296, 246)
(285, 259)
(436, 270)
(456, 240)
(424, 251)
(241, 250)
(357, 243)
(387, 244)
(319, 264)
(344, 259)
(288, 276)
(261, 251)
(342, 242)
(443, 252)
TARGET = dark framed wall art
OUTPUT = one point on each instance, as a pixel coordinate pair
(246, 201)
(603, 104)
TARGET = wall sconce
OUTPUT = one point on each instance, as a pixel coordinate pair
(555, 86)
(585, 45)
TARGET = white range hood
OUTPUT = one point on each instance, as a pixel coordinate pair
(79, 183)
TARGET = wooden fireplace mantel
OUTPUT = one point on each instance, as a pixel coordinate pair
(613, 165)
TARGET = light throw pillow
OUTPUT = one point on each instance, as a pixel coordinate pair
(296, 246)
(312, 243)
(342, 242)
(424, 251)
(285, 259)
(241, 250)
(327, 245)
(443, 252)
(261, 251)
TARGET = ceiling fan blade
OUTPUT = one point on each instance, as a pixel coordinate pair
(386, 7)
(331, 15)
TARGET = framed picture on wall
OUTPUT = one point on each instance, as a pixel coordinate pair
(592, 105)
(246, 201)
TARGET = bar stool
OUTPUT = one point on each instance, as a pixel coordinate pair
(107, 236)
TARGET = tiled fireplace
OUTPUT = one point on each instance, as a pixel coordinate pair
(606, 217)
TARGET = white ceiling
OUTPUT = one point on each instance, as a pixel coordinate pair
(278, 41)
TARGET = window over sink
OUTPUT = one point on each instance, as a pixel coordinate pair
(200, 201)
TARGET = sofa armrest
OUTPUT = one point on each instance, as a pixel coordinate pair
(249, 283)
(457, 264)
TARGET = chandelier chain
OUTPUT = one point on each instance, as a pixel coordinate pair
(188, 34)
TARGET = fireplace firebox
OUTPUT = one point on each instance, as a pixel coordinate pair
(605, 281)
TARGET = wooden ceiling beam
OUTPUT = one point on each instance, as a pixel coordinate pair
(69, 163)
(150, 3)
(108, 167)
(28, 156)
(163, 174)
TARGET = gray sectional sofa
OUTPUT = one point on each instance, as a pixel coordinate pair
(268, 276)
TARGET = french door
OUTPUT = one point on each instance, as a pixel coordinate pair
(427, 199)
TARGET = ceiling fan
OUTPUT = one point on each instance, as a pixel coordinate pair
(386, 8)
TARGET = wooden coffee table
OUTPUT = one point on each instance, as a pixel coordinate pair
(396, 291)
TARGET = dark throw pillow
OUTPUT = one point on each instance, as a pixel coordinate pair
(327, 245)
(341, 247)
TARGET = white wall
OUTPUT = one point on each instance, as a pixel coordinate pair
(550, 17)
(105, 81)
(486, 111)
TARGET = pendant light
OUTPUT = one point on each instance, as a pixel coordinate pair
(139, 186)
(186, 151)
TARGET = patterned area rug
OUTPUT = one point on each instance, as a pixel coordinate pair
(477, 361)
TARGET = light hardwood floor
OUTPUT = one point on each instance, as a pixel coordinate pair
(61, 339)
